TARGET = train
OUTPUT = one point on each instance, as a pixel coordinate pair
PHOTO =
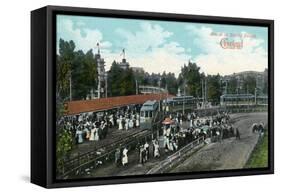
(243, 99)
(152, 112)
(148, 113)
(178, 103)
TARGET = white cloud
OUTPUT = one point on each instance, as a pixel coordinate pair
(84, 40)
(147, 38)
(214, 59)
(147, 48)
(150, 48)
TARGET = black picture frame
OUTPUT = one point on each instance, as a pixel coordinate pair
(43, 71)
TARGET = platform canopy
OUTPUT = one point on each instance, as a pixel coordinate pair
(103, 104)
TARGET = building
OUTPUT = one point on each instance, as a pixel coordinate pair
(124, 64)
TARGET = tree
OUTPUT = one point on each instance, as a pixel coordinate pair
(249, 84)
(191, 77)
(121, 82)
(170, 81)
(114, 79)
(64, 65)
(127, 85)
(232, 85)
(80, 67)
(214, 90)
(265, 82)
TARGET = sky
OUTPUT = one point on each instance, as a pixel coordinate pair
(160, 46)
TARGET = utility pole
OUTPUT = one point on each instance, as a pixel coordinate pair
(106, 75)
(206, 90)
(247, 91)
(238, 85)
(226, 86)
(160, 95)
(137, 91)
(255, 96)
(184, 92)
(202, 82)
(70, 87)
(166, 100)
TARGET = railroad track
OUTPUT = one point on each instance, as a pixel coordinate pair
(101, 151)
(114, 135)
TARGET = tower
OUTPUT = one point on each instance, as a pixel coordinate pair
(101, 74)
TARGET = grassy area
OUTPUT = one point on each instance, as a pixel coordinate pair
(259, 156)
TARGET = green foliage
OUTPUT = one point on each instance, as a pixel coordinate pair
(191, 78)
(170, 81)
(64, 65)
(64, 145)
(214, 89)
(265, 83)
(247, 87)
(249, 84)
(121, 81)
(84, 74)
(82, 69)
(232, 86)
(259, 156)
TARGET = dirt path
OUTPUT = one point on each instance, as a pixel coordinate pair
(230, 153)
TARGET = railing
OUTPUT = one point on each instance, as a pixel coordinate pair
(167, 163)
(83, 161)
(91, 158)
(232, 109)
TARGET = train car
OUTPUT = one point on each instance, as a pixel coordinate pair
(148, 112)
(180, 102)
(237, 99)
(262, 100)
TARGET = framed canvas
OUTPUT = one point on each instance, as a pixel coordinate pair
(126, 96)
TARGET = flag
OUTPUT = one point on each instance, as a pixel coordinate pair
(123, 52)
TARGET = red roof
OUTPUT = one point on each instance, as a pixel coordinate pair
(81, 106)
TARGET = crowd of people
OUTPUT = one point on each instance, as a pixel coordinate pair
(94, 126)
(178, 131)
(213, 128)
(144, 150)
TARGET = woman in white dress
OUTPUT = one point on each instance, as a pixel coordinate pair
(125, 156)
(120, 125)
(111, 120)
(127, 124)
(96, 136)
(146, 147)
(131, 123)
(92, 135)
(156, 150)
(137, 120)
